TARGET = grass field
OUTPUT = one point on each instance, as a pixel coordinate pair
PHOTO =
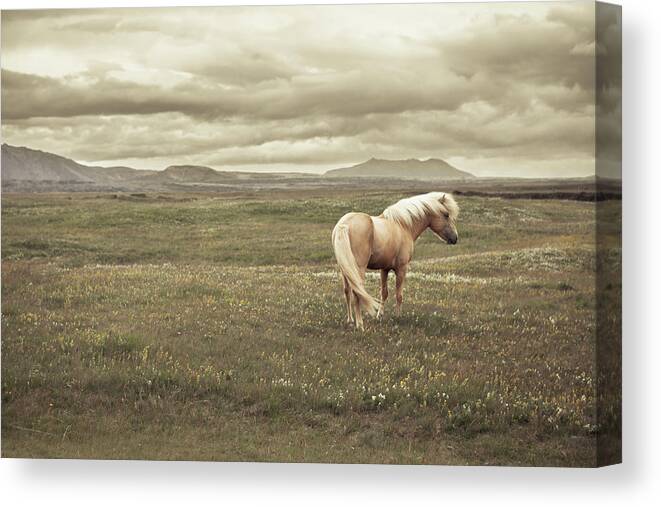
(192, 326)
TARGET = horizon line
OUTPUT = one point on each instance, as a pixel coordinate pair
(308, 173)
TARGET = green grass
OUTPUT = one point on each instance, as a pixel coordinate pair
(206, 327)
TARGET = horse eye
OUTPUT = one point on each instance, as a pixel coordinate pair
(446, 215)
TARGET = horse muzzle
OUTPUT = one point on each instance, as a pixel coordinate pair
(450, 236)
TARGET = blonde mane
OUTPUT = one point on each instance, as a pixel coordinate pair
(407, 212)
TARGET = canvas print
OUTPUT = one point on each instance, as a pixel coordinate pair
(337, 233)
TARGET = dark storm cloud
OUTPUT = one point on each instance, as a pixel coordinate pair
(304, 86)
(350, 94)
(27, 96)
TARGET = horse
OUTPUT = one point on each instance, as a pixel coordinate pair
(385, 243)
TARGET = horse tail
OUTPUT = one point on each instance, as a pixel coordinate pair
(349, 268)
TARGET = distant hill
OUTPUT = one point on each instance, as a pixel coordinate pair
(431, 169)
(28, 170)
(181, 174)
(34, 165)
(190, 172)
(21, 164)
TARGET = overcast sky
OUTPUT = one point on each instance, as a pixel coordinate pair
(495, 89)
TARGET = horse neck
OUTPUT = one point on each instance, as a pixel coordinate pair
(418, 227)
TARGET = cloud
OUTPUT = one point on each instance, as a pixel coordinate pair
(31, 96)
(276, 86)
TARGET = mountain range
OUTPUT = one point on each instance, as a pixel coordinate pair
(26, 169)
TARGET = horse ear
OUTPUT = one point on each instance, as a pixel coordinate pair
(443, 199)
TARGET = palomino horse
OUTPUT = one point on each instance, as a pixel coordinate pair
(386, 242)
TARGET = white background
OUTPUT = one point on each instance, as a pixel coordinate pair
(636, 482)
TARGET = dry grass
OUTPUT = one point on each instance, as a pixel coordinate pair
(214, 329)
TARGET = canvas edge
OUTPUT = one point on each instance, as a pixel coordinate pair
(608, 241)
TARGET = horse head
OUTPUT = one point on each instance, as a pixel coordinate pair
(443, 223)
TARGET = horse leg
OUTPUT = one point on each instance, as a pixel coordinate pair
(357, 312)
(384, 292)
(348, 294)
(400, 275)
